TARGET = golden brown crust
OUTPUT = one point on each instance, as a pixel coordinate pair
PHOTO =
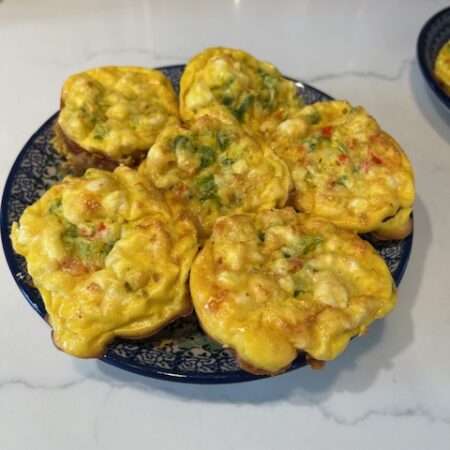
(314, 363)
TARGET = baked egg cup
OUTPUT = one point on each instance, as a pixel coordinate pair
(111, 115)
(347, 169)
(110, 255)
(276, 283)
(235, 87)
(217, 169)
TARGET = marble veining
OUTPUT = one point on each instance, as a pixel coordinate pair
(89, 55)
(367, 74)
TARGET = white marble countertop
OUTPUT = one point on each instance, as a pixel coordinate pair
(391, 388)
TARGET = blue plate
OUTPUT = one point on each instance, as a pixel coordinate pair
(434, 34)
(180, 352)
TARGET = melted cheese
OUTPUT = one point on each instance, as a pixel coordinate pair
(110, 256)
(275, 283)
(442, 67)
(117, 111)
(217, 169)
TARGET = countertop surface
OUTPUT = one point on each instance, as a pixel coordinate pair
(391, 388)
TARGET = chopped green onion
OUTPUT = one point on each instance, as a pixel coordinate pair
(313, 118)
(100, 131)
(227, 162)
(55, 206)
(342, 148)
(244, 106)
(227, 101)
(223, 139)
(206, 155)
(311, 244)
(71, 231)
(207, 187)
(106, 249)
(342, 180)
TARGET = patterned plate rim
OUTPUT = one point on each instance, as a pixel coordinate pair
(110, 358)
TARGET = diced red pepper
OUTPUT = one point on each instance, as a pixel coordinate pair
(376, 160)
(327, 132)
(342, 158)
(101, 226)
(297, 263)
(365, 166)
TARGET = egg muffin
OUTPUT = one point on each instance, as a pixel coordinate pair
(442, 67)
(217, 169)
(272, 284)
(112, 115)
(235, 87)
(346, 169)
(110, 256)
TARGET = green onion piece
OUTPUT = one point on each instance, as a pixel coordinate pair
(55, 206)
(342, 180)
(207, 187)
(71, 231)
(206, 155)
(313, 118)
(311, 244)
(223, 139)
(227, 162)
(244, 106)
(342, 148)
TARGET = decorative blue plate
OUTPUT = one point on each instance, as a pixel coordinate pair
(181, 352)
(434, 34)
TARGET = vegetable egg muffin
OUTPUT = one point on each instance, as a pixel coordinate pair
(112, 115)
(235, 87)
(442, 67)
(217, 169)
(110, 255)
(346, 169)
(272, 284)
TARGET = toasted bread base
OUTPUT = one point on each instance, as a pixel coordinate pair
(80, 159)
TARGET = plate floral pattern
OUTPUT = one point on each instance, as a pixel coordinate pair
(180, 352)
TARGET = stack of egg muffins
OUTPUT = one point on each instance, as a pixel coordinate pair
(235, 200)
